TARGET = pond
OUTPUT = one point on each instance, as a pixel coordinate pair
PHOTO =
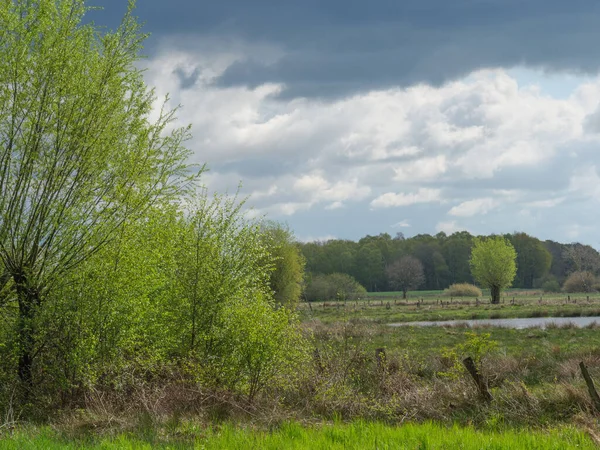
(541, 322)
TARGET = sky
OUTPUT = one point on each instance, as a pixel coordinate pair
(344, 118)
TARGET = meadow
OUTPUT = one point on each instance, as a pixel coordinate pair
(370, 385)
(389, 307)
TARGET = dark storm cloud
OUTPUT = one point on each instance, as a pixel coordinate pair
(187, 81)
(334, 47)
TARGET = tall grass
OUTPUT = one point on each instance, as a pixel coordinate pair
(357, 435)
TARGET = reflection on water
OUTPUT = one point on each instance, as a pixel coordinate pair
(541, 322)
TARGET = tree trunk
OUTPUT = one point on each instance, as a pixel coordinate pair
(495, 294)
(404, 293)
(29, 300)
(479, 381)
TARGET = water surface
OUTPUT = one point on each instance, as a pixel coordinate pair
(519, 324)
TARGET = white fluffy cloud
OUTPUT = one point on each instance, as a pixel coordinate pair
(391, 199)
(478, 206)
(436, 153)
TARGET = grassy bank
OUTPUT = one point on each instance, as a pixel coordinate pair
(358, 435)
(433, 305)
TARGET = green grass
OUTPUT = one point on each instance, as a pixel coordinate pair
(389, 307)
(357, 435)
(549, 346)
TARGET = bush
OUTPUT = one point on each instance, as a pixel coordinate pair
(551, 286)
(582, 281)
(336, 286)
(262, 346)
(463, 290)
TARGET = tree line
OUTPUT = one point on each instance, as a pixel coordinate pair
(445, 259)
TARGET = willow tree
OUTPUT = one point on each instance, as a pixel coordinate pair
(493, 264)
(79, 152)
(288, 273)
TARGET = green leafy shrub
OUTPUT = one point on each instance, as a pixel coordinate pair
(551, 286)
(260, 347)
(477, 345)
(287, 276)
(336, 286)
(547, 283)
(462, 290)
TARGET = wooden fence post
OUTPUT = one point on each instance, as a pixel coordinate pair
(479, 381)
(590, 385)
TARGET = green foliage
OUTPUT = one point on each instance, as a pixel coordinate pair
(462, 290)
(493, 264)
(191, 289)
(287, 276)
(456, 250)
(582, 281)
(477, 346)
(103, 277)
(445, 258)
(548, 283)
(533, 259)
(336, 286)
(551, 286)
(225, 315)
(263, 348)
(369, 266)
(80, 154)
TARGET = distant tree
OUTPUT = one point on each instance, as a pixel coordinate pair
(582, 258)
(369, 266)
(559, 268)
(457, 250)
(285, 255)
(533, 259)
(493, 264)
(341, 255)
(316, 258)
(406, 274)
(382, 241)
(441, 271)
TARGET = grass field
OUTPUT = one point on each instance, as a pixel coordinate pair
(389, 307)
(347, 398)
(430, 341)
(358, 435)
(534, 367)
